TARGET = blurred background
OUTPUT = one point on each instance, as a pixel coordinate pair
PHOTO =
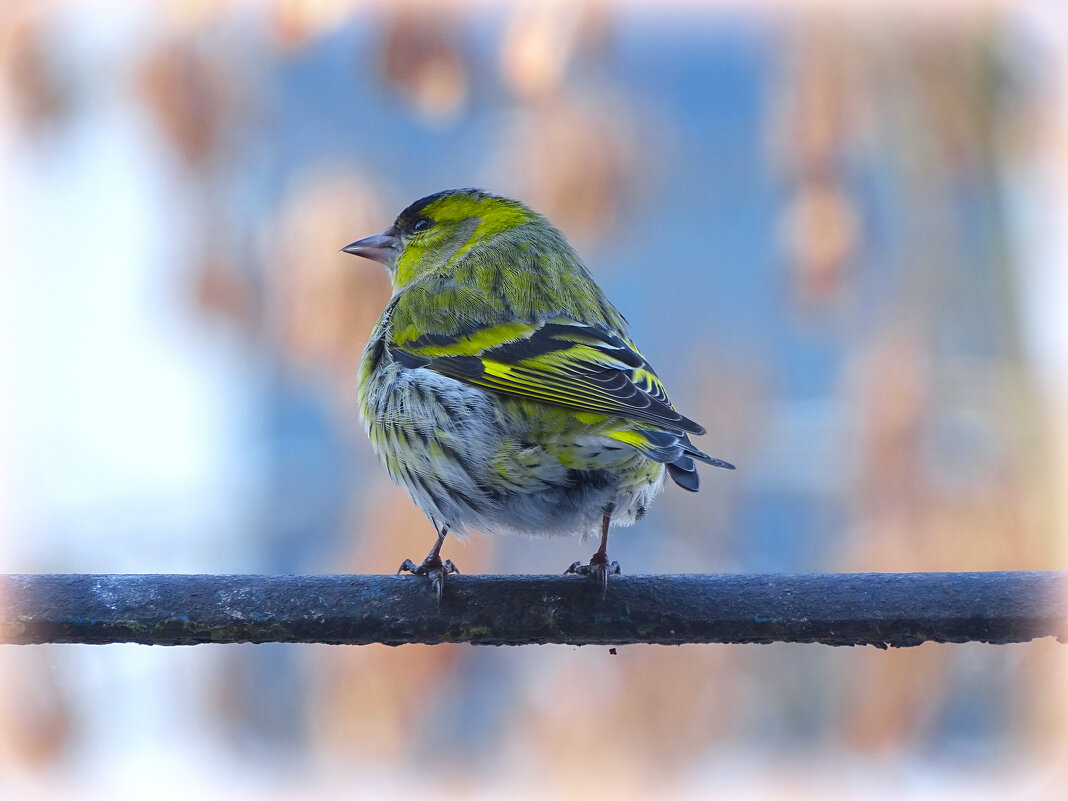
(840, 234)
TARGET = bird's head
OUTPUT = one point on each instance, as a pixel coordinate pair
(432, 234)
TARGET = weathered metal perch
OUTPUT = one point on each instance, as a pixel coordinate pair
(881, 609)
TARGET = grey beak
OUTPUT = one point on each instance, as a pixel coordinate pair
(382, 247)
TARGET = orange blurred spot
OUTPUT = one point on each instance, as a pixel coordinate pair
(424, 62)
(820, 231)
(186, 96)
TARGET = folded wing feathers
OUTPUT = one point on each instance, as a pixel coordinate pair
(558, 361)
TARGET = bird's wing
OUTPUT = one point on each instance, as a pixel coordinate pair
(558, 361)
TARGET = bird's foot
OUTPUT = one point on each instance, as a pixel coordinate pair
(433, 568)
(599, 568)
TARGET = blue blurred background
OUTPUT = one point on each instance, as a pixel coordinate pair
(840, 234)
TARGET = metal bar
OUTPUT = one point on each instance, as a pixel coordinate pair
(881, 609)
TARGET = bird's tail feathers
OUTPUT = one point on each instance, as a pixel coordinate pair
(673, 450)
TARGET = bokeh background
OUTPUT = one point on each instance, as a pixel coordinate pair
(841, 235)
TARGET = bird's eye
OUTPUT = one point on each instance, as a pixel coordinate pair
(422, 224)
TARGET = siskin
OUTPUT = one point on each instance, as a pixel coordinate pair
(500, 387)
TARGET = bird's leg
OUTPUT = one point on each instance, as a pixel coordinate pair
(432, 567)
(599, 566)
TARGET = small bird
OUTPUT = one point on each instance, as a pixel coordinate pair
(501, 389)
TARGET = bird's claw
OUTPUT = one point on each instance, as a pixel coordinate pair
(433, 568)
(598, 568)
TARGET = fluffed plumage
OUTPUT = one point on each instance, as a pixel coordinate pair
(500, 387)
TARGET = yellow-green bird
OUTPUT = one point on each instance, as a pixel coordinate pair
(500, 387)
